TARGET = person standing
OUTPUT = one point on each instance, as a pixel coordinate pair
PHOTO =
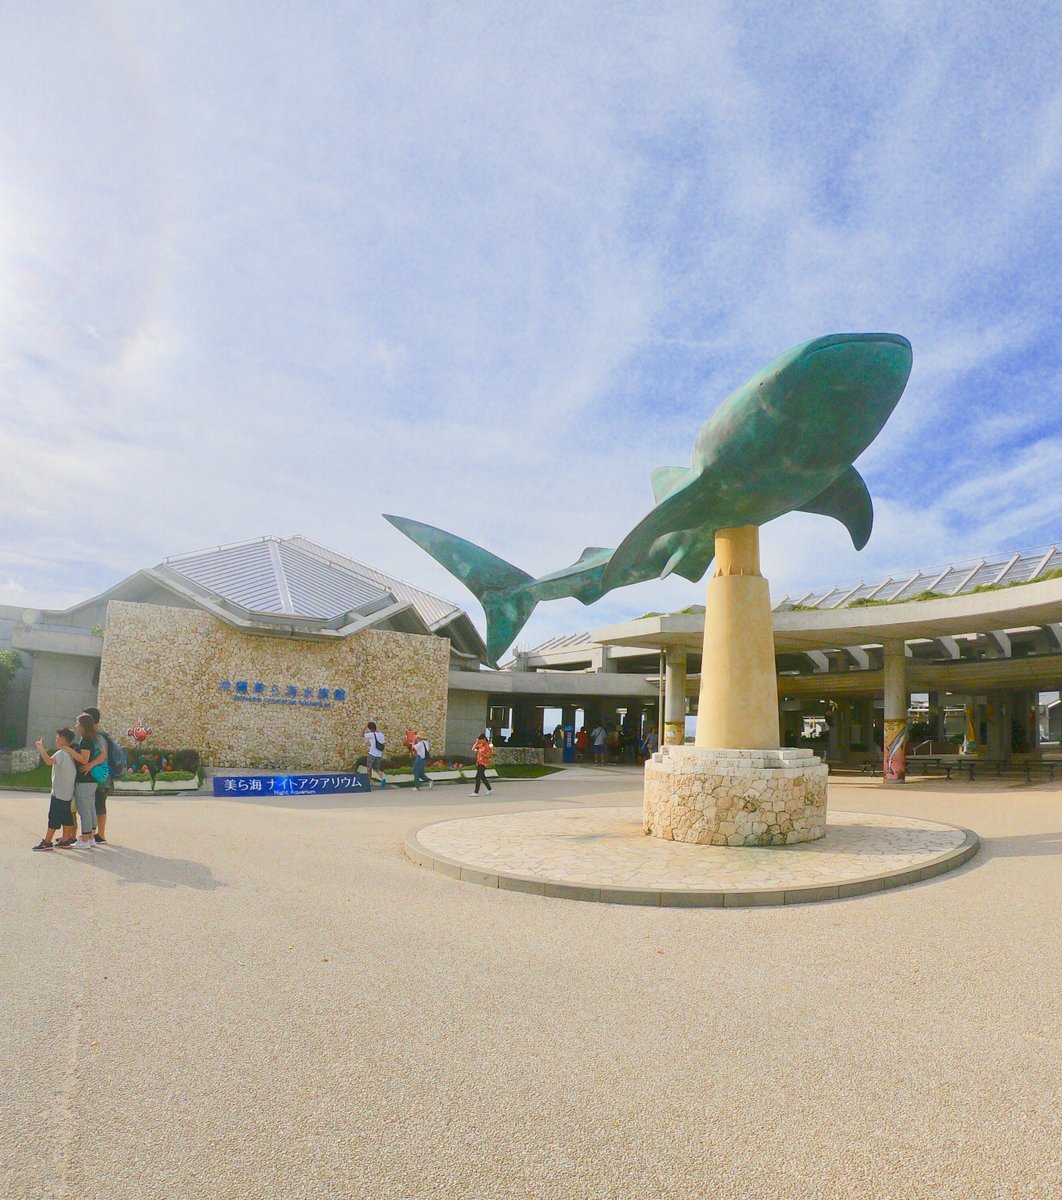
(91, 758)
(375, 742)
(102, 789)
(581, 739)
(599, 738)
(64, 777)
(484, 752)
(421, 749)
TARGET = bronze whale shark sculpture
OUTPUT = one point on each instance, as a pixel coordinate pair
(784, 441)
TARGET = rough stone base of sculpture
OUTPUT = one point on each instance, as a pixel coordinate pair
(735, 797)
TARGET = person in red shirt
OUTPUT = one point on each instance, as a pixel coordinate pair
(582, 740)
(484, 752)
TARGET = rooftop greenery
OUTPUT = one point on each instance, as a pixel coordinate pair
(869, 602)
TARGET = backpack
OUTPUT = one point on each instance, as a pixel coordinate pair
(117, 763)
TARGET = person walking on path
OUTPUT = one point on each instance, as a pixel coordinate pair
(484, 752)
(421, 749)
(91, 757)
(64, 777)
(599, 738)
(375, 741)
(102, 789)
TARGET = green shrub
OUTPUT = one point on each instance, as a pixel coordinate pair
(176, 777)
(186, 760)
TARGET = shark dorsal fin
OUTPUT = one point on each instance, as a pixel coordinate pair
(665, 479)
(590, 551)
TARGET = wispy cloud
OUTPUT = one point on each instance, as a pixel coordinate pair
(488, 267)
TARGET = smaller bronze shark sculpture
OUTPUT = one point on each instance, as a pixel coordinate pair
(783, 442)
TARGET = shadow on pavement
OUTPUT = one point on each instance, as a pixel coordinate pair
(136, 866)
(1023, 845)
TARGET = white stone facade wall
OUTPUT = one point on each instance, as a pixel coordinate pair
(164, 666)
(14, 762)
(525, 756)
(735, 797)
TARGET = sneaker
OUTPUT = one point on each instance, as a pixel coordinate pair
(80, 845)
(100, 841)
(431, 784)
(43, 845)
(64, 843)
(473, 793)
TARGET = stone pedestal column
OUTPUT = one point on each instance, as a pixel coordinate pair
(735, 787)
(894, 766)
(739, 684)
(675, 696)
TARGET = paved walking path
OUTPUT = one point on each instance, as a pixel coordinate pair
(267, 1001)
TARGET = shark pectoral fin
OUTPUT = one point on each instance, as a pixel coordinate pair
(676, 546)
(848, 501)
(689, 553)
(664, 480)
(674, 561)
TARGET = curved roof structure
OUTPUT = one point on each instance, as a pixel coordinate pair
(954, 579)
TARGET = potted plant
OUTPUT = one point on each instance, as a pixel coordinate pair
(176, 781)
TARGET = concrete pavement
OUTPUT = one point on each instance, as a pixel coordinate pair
(268, 1000)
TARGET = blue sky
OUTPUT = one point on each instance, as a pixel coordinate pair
(280, 268)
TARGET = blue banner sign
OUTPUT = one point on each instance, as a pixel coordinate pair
(289, 785)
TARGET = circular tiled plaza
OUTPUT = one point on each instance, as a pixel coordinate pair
(604, 854)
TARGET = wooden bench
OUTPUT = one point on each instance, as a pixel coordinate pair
(1044, 767)
(945, 763)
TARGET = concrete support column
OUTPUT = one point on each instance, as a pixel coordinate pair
(895, 755)
(1025, 715)
(524, 731)
(634, 718)
(675, 696)
(997, 719)
(837, 739)
(936, 715)
(738, 707)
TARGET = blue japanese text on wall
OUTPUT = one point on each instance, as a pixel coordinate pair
(284, 694)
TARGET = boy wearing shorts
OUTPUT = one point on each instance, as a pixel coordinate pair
(374, 742)
(64, 775)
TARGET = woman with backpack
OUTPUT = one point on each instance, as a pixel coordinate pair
(116, 765)
(484, 752)
(90, 754)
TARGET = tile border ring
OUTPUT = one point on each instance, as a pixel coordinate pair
(940, 864)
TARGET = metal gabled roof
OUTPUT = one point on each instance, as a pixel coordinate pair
(433, 610)
(276, 577)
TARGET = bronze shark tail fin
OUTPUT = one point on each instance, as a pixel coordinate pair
(497, 585)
